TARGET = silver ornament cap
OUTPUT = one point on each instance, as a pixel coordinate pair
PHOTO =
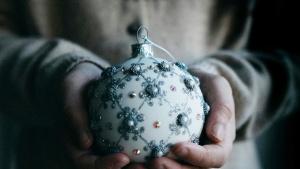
(141, 49)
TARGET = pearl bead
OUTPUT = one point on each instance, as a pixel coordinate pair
(154, 89)
(130, 123)
(184, 119)
(159, 154)
(137, 68)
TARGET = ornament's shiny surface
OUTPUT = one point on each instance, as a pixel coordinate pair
(144, 105)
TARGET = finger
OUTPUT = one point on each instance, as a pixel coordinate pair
(218, 95)
(74, 91)
(207, 156)
(167, 163)
(86, 159)
(114, 161)
(203, 156)
(136, 166)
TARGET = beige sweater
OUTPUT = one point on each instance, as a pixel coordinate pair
(50, 37)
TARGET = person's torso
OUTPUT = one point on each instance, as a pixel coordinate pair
(187, 29)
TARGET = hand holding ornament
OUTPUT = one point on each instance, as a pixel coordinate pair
(76, 132)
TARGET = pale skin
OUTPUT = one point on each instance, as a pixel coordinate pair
(219, 128)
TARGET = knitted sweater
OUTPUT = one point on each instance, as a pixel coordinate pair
(42, 40)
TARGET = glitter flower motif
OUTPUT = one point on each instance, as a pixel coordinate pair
(206, 108)
(189, 83)
(174, 128)
(178, 108)
(156, 150)
(136, 69)
(164, 66)
(152, 90)
(130, 121)
(112, 147)
(182, 123)
(181, 66)
(111, 94)
(109, 72)
(183, 120)
(195, 139)
(95, 121)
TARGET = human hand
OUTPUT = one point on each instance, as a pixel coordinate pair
(76, 132)
(219, 129)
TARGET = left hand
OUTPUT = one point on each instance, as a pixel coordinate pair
(77, 136)
(219, 129)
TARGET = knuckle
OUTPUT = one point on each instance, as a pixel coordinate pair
(222, 158)
(226, 109)
(217, 79)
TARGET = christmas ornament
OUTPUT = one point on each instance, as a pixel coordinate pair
(146, 104)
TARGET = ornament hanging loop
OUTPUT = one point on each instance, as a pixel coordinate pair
(146, 40)
(142, 36)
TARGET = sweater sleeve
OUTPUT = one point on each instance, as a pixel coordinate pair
(264, 86)
(30, 70)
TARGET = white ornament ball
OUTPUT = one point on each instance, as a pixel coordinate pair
(144, 105)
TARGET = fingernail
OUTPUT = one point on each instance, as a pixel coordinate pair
(218, 131)
(121, 163)
(161, 167)
(180, 152)
(85, 140)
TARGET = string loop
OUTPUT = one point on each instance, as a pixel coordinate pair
(146, 39)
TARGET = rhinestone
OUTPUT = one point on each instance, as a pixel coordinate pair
(156, 124)
(136, 151)
(132, 94)
(198, 116)
(141, 94)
